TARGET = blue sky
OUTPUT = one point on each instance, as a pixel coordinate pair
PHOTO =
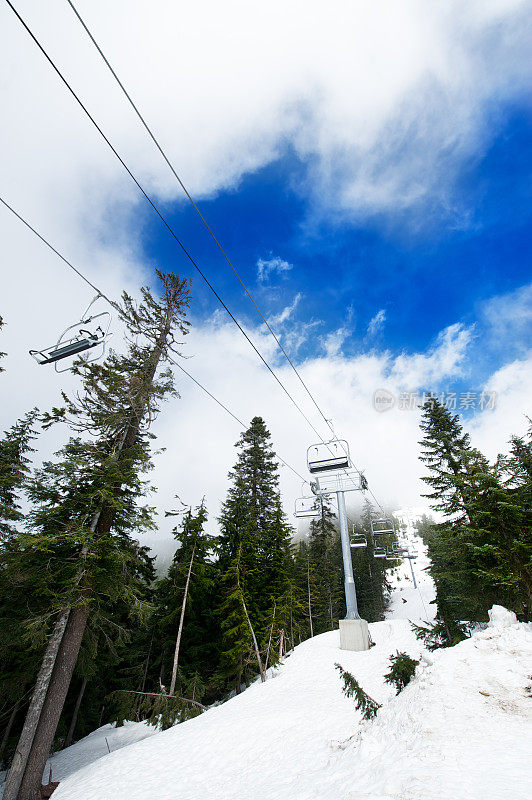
(426, 267)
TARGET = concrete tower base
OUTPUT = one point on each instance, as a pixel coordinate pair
(354, 634)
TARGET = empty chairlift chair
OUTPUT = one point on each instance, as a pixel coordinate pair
(330, 456)
(308, 507)
(89, 333)
(358, 540)
(379, 552)
(382, 527)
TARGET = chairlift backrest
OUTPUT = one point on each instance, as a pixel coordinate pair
(330, 456)
(308, 507)
(382, 527)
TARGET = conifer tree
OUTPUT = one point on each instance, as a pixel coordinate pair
(15, 447)
(254, 545)
(184, 599)
(83, 521)
(327, 570)
(481, 553)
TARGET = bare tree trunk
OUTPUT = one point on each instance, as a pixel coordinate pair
(70, 734)
(255, 645)
(309, 602)
(7, 731)
(22, 752)
(281, 643)
(270, 637)
(181, 620)
(53, 704)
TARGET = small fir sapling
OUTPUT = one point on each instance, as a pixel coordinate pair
(402, 670)
(364, 703)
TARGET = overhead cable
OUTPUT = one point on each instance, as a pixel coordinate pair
(117, 308)
(160, 215)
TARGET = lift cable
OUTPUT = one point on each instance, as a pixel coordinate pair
(196, 208)
(204, 221)
(172, 232)
(161, 217)
(117, 308)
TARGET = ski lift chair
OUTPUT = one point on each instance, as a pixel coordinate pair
(392, 555)
(330, 456)
(77, 339)
(358, 540)
(382, 527)
(308, 507)
(379, 552)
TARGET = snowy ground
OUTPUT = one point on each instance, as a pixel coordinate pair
(460, 731)
(409, 601)
(91, 748)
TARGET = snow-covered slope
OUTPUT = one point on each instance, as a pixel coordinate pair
(460, 730)
(412, 587)
(91, 748)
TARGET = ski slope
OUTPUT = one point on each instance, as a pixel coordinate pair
(461, 729)
(409, 601)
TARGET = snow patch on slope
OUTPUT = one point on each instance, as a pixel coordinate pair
(461, 729)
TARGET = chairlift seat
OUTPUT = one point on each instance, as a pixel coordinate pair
(379, 552)
(359, 540)
(308, 507)
(330, 456)
(382, 527)
(77, 339)
(70, 348)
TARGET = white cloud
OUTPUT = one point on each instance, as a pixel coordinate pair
(271, 265)
(507, 319)
(377, 322)
(386, 101)
(286, 313)
(445, 359)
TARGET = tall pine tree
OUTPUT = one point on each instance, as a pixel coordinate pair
(253, 548)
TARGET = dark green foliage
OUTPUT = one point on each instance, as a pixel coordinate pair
(157, 708)
(254, 556)
(482, 553)
(402, 670)
(78, 545)
(442, 633)
(364, 703)
(197, 652)
(15, 447)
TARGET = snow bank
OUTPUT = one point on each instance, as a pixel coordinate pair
(91, 748)
(460, 730)
(501, 617)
